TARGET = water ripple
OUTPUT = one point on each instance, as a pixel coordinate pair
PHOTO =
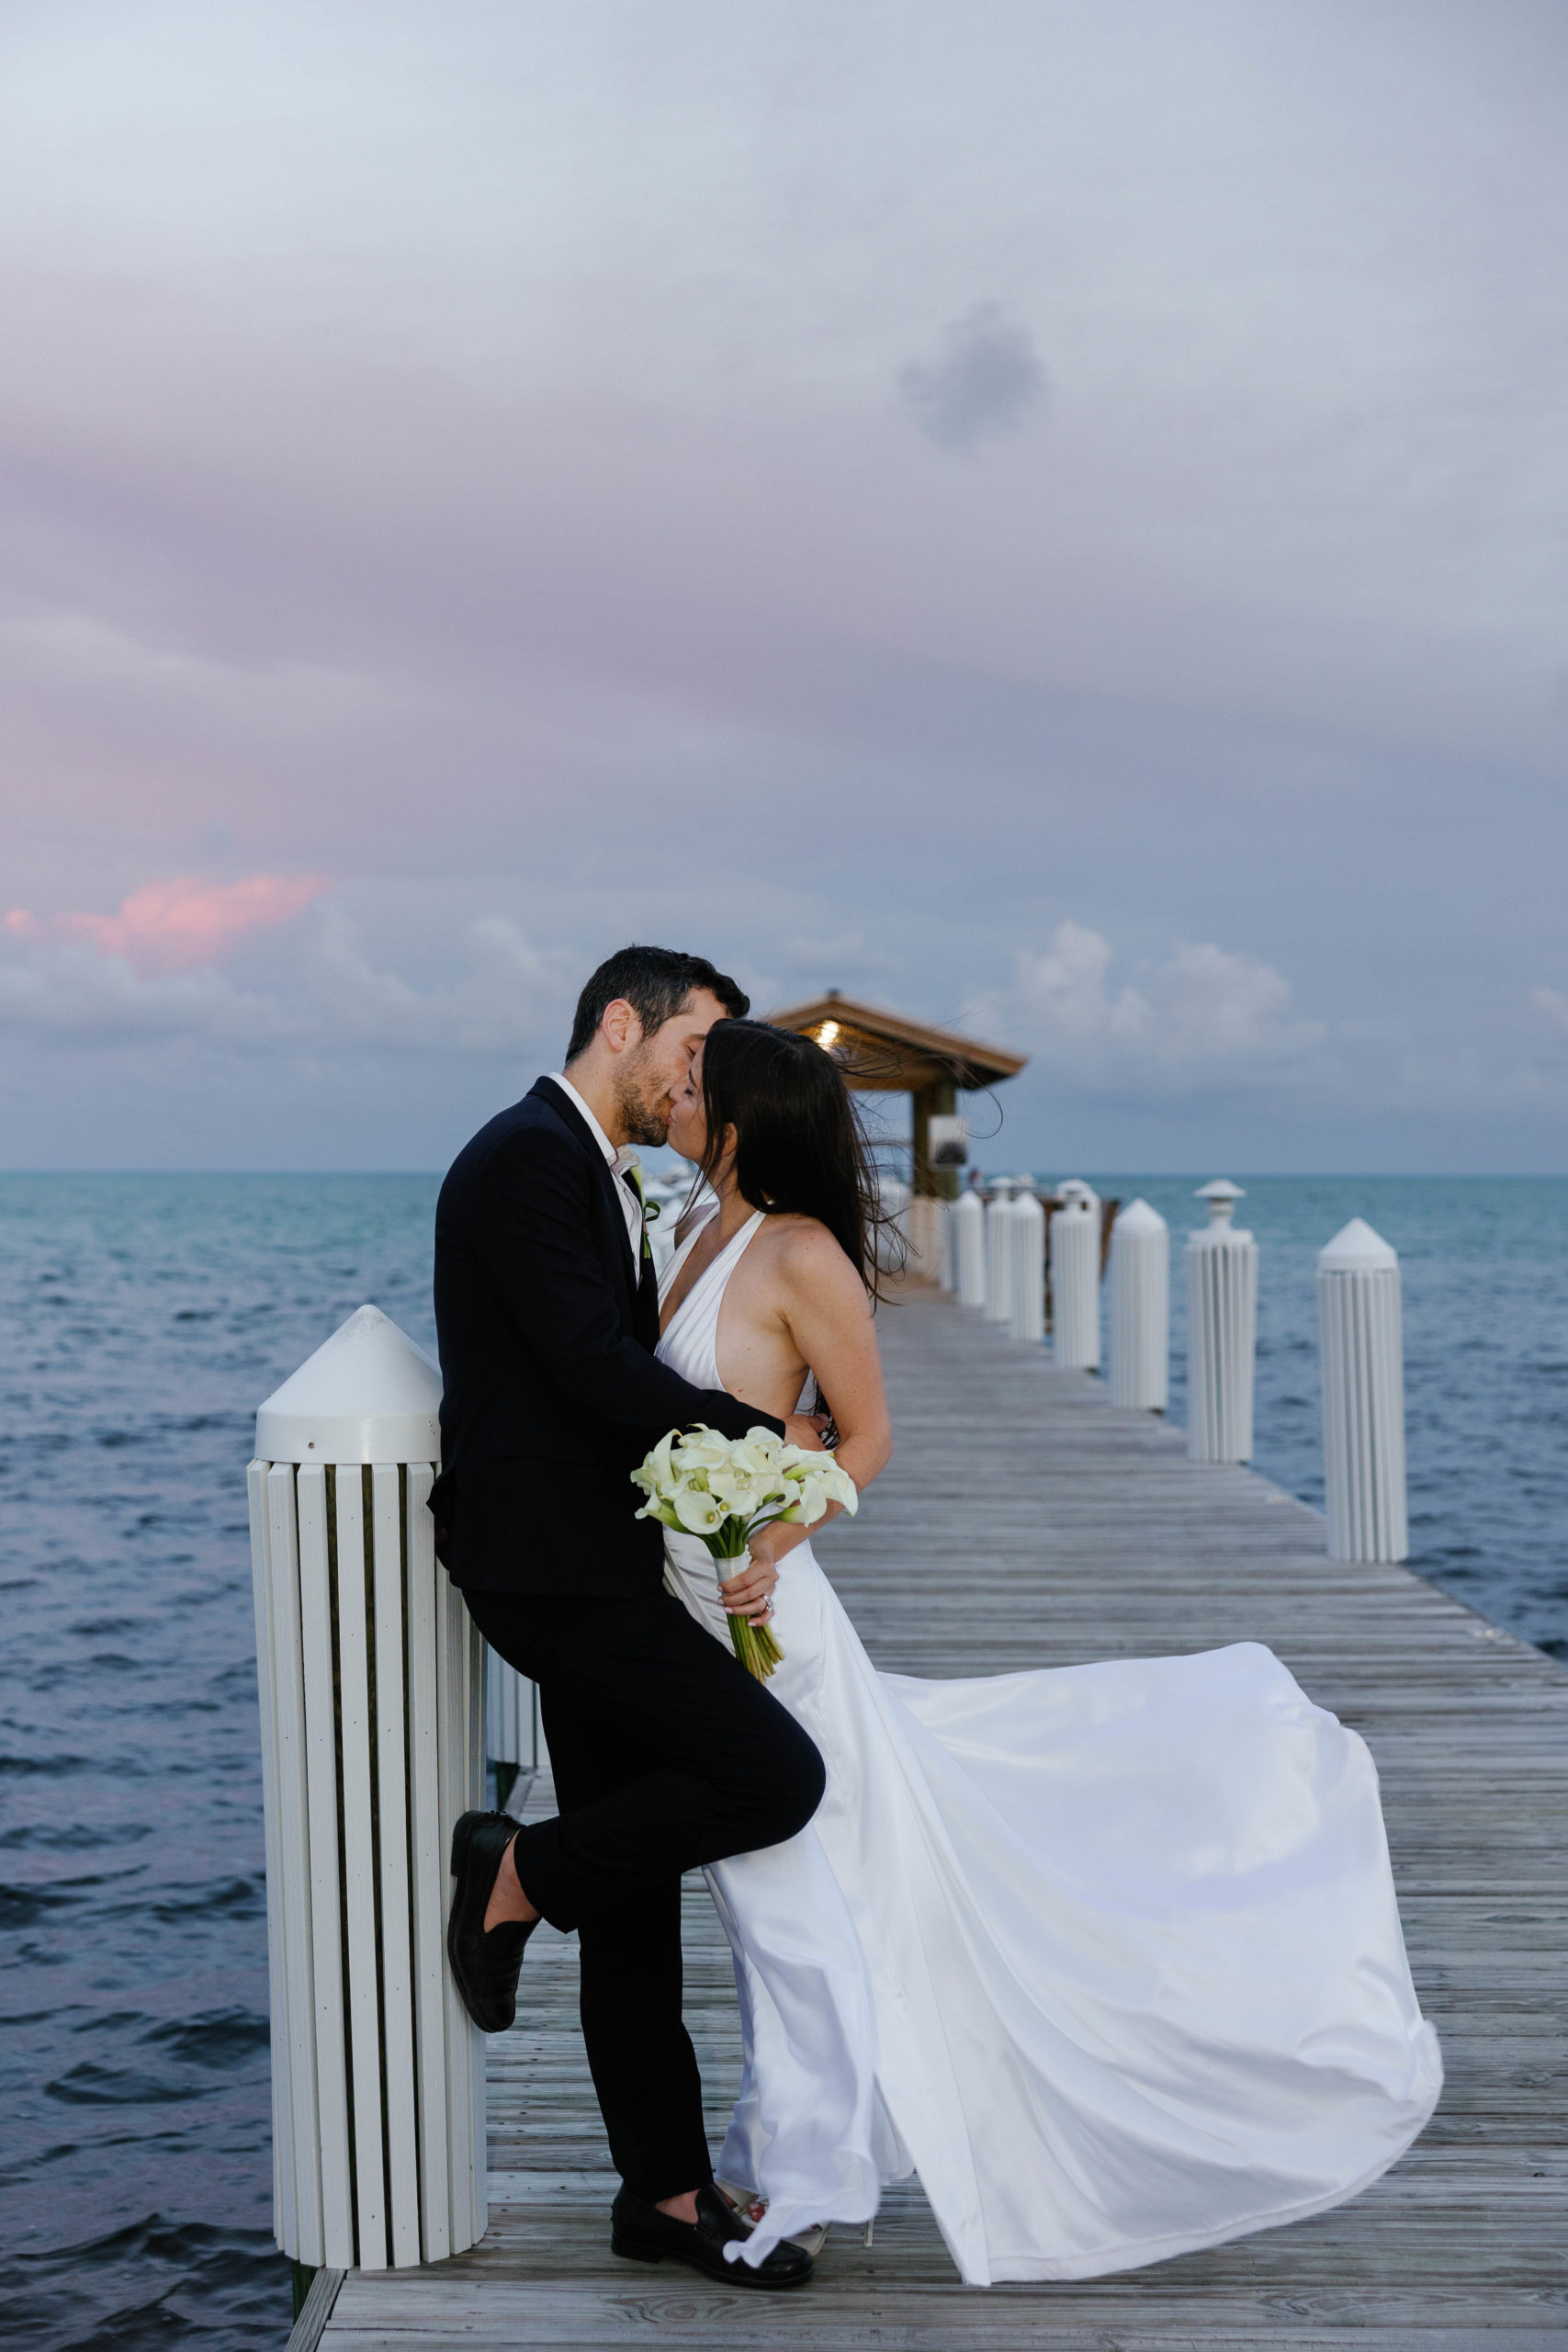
(145, 1317)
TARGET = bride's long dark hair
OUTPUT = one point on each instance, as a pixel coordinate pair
(799, 1147)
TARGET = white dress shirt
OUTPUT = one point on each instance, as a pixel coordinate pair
(620, 1158)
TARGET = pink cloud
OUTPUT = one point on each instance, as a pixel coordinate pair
(171, 926)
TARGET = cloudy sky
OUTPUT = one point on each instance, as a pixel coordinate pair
(1051, 517)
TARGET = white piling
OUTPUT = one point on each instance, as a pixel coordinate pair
(892, 1240)
(1222, 1331)
(947, 1264)
(920, 1222)
(1363, 1395)
(1140, 1309)
(968, 1222)
(510, 1720)
(1074, 1243)
(999, 1252)
(1028, 1320)
(379, 2112)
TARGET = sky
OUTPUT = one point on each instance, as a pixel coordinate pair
(1052, 517)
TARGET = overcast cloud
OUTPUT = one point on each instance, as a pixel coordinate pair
(988, 379)
(1039, 515)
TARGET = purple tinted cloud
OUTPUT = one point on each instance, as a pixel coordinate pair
(462, 463)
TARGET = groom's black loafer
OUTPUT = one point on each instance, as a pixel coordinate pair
(484, 1968)
(640, 2233)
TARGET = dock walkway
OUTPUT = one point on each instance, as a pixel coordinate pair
(1024, 1520)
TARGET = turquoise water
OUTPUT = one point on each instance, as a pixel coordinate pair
(142, 1318)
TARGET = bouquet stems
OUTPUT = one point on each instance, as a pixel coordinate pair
(753, 1641)
(754, 1647)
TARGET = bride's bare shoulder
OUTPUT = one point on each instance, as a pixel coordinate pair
(806, 1255)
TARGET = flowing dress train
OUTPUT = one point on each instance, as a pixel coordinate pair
(1108, 1953)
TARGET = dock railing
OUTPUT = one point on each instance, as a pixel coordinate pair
(991, 1252)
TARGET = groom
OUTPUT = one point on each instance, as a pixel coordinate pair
(666, 1753)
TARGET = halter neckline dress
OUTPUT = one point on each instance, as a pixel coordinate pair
(1108, 1953)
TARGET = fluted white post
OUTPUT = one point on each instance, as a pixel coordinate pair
(947, 1266)
(969, 1249)
(1140, 1309)
(510, 1723)
(1028, 1321)
(1363, 1395)
(1222, 1331)
(999, 1252)
(893, 1196)
(372, 1699)
(1074, 1243)
(920, 1220)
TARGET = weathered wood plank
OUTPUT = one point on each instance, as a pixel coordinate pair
(1025, 1522)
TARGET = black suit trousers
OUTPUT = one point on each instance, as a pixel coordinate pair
(666, 1754)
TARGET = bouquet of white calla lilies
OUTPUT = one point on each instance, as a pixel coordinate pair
(725, 1489)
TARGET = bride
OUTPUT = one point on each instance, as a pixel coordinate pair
(1108, 1954)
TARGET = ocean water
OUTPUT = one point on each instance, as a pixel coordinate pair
(142, 1319)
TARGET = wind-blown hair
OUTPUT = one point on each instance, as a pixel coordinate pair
(656, 983)
(799, 1147)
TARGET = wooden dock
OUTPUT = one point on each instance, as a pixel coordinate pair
(1096, 1538)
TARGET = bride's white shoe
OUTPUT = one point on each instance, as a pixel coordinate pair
(751, 2209)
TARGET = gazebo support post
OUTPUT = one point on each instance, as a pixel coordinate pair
(933, 1103)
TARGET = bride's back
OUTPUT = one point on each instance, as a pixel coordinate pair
(767, 1119)
(789, 1280)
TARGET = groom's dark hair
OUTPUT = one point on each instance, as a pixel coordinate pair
(656, 983)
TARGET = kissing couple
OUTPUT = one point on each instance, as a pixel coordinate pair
(1107, 1954)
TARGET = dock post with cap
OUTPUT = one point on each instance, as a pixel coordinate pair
(1028, 1321)
(1073, 1240)
(1363, 1395)
(371, 1680)
(1222, 1330)
(1140, 1309)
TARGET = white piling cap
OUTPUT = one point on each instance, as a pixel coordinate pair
(1355, 1249)
(1221, 1196)
(1139, 1217)
(1075, 1194)
(367, 1394)
(970, 1200)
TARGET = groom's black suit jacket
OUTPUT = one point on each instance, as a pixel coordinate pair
(552, 1395)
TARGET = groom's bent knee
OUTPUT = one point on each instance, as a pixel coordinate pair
(795, 1788)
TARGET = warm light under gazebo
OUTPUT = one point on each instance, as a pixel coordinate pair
(887, 1053)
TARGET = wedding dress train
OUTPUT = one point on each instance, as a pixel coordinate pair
(1108, 1953)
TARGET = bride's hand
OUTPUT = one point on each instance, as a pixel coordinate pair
(805, 1430)
(750, 1593)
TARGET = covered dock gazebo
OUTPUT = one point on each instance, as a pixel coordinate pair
(886, 1053)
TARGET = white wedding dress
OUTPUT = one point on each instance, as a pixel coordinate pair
(1109, 1954)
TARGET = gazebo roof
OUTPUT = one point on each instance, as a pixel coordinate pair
(894, 1055)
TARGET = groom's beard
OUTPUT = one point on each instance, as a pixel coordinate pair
(644, 1114)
